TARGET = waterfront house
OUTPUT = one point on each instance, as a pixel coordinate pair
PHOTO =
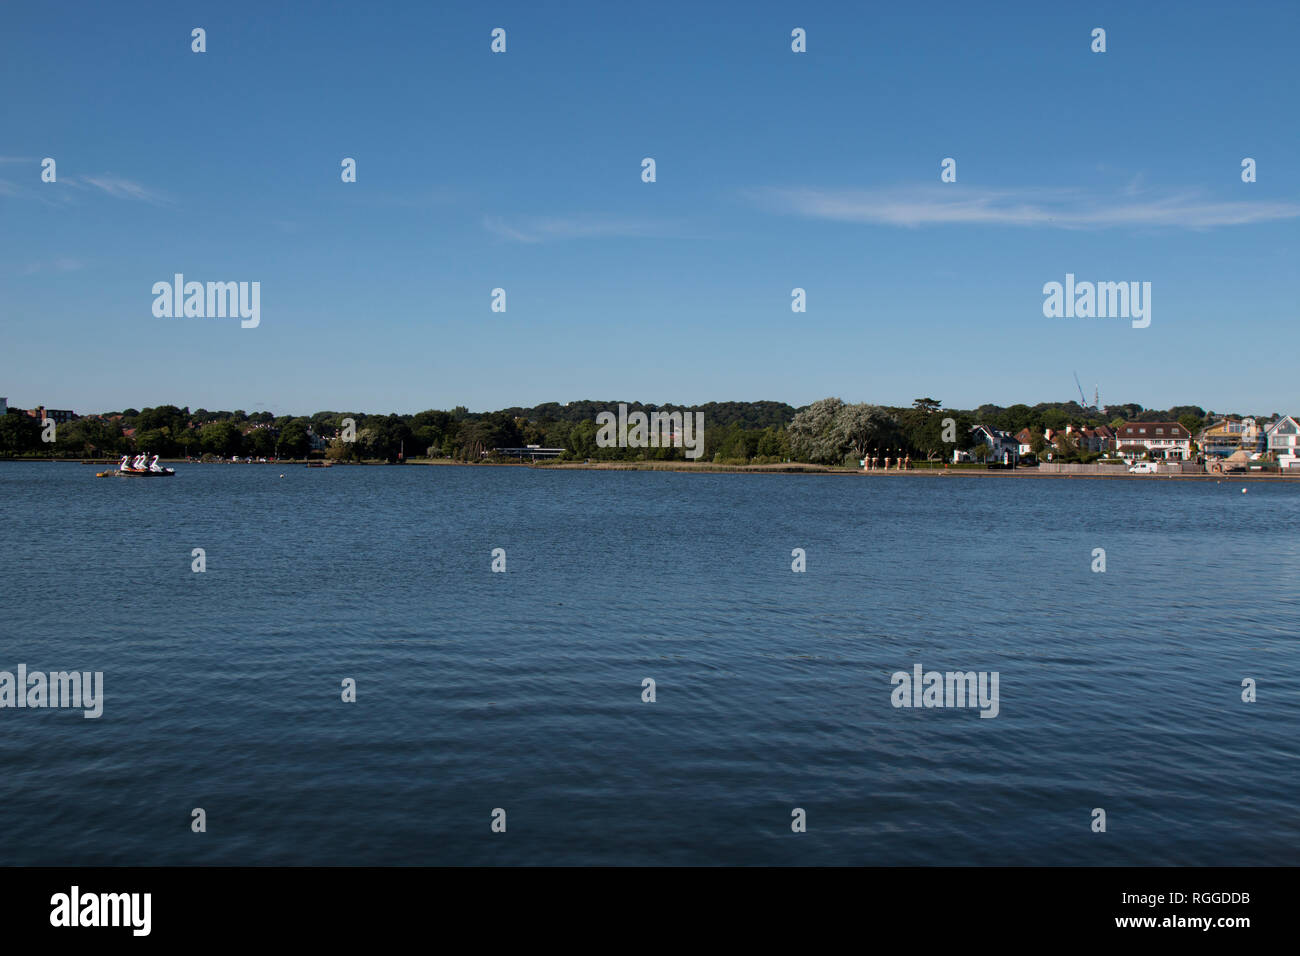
(1228, 435)
(1003, 446)
(1283, 438)
(1167, 440)
(1024, 441)
(1082, 437)
(1087, 438)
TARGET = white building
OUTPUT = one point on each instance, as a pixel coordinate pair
(1283, 438)
(1003, 446)
(1168, 440)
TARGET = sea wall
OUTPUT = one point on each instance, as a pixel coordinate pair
(1061, 468)
(1162, 468)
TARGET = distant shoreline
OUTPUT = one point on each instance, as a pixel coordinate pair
(707, 468)
(794, 468)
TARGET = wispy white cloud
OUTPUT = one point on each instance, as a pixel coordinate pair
(66, 189)
(63, 264)
(572, 227)
(953, 204)
(119, 188)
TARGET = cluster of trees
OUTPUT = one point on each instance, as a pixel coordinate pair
(828, 431)
(749, 415)
(723, 443)
(734, 430)
(167, 430)
(832, 432)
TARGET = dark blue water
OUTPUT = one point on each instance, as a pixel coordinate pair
(522, 690)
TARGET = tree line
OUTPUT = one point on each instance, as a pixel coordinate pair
(829, 431)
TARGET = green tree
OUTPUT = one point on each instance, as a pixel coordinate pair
(1017, 417)
(812, 435)
(167, 418)
(221, 438)
(1067, 448)
(860, 428)
(924, 433)
(772, 444)
(261, 442)
(1054, 419)
(557, 434)
(737, 444)
(582, 440)
(89, 438)
(293, 441)
(156, 441)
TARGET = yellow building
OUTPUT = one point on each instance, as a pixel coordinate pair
(1229, 435)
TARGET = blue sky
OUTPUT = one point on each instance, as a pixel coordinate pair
(523, 171)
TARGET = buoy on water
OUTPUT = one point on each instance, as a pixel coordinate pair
(1243, 491)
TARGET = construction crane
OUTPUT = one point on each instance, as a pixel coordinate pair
(1083, 399)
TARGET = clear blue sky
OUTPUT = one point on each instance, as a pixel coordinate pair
(523, 171)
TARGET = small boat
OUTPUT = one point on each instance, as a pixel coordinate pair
(138, 468)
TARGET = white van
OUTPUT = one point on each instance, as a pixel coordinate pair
(1143, 468)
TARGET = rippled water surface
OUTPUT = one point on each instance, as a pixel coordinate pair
(523, 690)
